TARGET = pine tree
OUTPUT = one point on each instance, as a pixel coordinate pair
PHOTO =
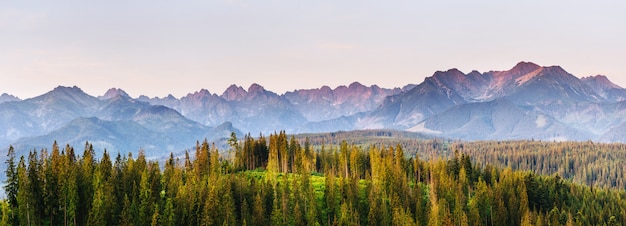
(420, 204)
(272, 164)
(374, 203)
(97, 213)
(211, 213)
(202, 162)
(6, 213)
(11, 187)
(526, 220)
(434, 218)
(52, 176)
(523, 203)
(69, 186)
(227, 205)
(35, 188)
(145, 199)
(155, 216)
(483, 201)
(258, 211)
(277, 217)
(84, 181)
(244, 215)
(169, 214)
(126, 217)
(25, 208)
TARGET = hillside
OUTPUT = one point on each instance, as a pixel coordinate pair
(527, 101)
(292, 185)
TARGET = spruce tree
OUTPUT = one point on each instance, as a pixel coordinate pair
(11, 187)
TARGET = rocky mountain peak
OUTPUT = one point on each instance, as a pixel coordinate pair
(234, 92)
(556, 69)
(356, 85)
(600, 81)
(73, 94)
(256, 88)
(197, 98)
(202, 93)
(448, 79)
(527, 101)
(8, 97)
(113, 92)
(454, 73)
(474, 72)
(524, 68)
(325, 89)
(170, 97)
(67, 89)
(557, 72)
(605, 88)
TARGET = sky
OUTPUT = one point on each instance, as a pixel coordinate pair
(156, 48)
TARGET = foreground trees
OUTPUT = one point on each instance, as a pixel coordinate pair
(278, 181)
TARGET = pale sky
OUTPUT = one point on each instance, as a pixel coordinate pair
(161, 47)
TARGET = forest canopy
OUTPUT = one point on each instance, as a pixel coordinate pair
(281, 180)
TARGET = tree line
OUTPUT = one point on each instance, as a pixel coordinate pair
(591, 163)
(278, 180)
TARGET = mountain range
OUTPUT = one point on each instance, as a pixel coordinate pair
(526, 102)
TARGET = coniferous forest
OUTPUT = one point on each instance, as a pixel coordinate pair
(281, 180)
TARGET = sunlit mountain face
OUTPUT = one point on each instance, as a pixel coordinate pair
(526, 102)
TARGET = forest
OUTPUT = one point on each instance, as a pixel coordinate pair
(590, 163)
(282, 180)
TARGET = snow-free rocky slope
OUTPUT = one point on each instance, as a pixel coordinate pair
(527, 101)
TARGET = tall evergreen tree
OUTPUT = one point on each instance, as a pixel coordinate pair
(145, 199)
(12, 187)
(35, 188)
(258, 210)
(25, 211)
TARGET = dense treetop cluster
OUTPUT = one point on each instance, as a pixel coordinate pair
(278, 180)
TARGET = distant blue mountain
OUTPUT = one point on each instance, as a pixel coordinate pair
(526, 102)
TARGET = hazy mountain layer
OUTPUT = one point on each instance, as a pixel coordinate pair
(526, 102)
(114, 121)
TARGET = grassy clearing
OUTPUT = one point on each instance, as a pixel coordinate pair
(318, 181)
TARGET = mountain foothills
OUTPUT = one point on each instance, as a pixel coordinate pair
(526, 102)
